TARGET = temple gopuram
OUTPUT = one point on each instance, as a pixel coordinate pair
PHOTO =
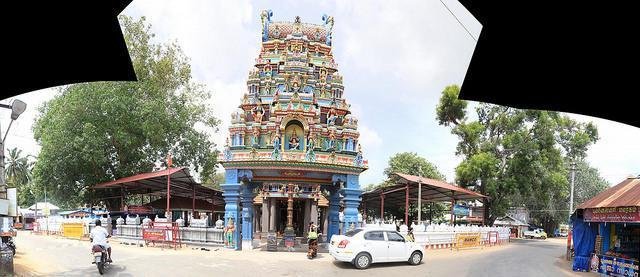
(293, 155)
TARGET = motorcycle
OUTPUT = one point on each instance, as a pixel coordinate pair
(8, 241)
(99, 254)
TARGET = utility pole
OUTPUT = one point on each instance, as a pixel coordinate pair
(573, 177)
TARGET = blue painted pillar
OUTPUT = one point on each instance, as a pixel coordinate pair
(247, 215)
(351, 199)
(605, 232)
(231, 194)
(334, 210)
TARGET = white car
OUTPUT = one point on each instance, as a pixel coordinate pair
(362, 247)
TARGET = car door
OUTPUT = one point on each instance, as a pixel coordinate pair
(376, 245)
(397, 247)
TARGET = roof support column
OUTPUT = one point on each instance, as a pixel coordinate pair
(382, 207)
(406, 205)
(453, 203)
(168, 211)
(193, 202)
(419, 201)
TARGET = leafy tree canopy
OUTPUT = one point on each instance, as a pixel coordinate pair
(514, 155)
(96, 132)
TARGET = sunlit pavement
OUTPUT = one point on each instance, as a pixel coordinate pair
(50, 256)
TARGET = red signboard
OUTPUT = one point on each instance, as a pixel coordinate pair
(136, 209)
(616, 214)
(149, 234)
(162, 232)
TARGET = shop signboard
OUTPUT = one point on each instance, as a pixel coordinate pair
(461, 210)
(614, 266)
(614, 214)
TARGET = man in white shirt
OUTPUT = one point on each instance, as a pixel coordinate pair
(99, 236)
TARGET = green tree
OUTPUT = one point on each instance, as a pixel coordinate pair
(96, 132)
(18, 169)
(515, 156)
(215, 181)
(588, 182)
(411, 163)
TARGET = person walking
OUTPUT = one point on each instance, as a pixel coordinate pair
(312, 241)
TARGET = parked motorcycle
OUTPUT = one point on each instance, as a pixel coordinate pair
(8, 241)
(99, 255)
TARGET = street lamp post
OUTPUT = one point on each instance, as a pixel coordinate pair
(573, 177)
(17, 107)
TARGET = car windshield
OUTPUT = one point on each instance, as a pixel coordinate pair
(352, 232)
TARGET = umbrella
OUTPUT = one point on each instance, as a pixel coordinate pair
(54, 43)
(554, 56)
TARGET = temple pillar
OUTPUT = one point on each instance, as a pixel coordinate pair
(272, 215)
(231, 194)
(264, 227)
(314, 212)
(307, 217)
(333, 215)
(352, 202)
(325, 222)
(247, 216)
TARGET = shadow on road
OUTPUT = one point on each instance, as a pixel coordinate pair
(111, 270)
(537, 243)
(346, 265)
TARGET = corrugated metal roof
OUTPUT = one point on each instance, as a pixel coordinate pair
(438, 183)
(625, 194)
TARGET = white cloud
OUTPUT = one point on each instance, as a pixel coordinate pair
(617, 152)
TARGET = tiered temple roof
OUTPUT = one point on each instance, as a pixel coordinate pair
(294, 108)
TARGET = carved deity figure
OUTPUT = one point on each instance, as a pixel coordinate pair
(328, 23)
(332, 116)
(265, 18)
(276, 140)
(255, 137)
(294, 142)
(228, 231)
(332, 139)
(310, 156)
(258, 112)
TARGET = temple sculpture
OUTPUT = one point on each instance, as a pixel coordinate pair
(293, 154)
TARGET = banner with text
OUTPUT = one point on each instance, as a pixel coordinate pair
(615, 214)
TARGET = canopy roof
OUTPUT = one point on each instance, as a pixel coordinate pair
(625, 194)
(155, 183)
(509, 221)
(42, 205)
(432, 191)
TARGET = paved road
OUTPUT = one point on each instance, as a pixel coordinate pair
(48, 256)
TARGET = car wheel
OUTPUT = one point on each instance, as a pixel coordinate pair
(362, 261)
(416, 258)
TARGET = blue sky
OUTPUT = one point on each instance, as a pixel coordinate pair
(395, 56)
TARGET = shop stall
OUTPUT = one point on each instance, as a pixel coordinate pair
(606, 231)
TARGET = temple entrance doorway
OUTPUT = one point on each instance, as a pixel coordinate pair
(298, 215)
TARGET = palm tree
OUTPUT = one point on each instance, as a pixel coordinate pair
(18, 168)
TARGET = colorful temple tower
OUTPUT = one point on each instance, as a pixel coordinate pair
(293, 155)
